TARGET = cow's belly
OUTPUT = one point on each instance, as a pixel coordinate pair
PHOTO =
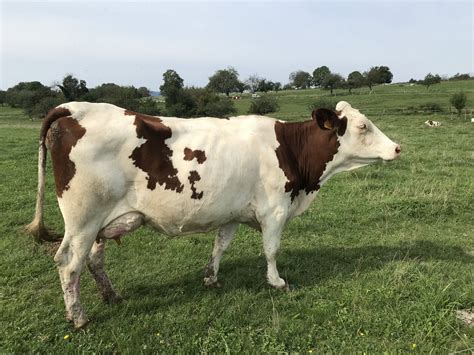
(176, 215)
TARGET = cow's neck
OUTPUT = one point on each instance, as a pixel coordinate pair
(303, 154)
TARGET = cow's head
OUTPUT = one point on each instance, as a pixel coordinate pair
(360, 141)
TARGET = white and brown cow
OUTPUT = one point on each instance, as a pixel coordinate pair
(116, 170)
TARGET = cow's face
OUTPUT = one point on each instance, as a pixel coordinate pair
(362, 142)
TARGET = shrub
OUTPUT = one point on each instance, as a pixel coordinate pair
(431, 107)
(458, 100)
(264, 104)
(148, 106)
(208, 103)
(323, 102)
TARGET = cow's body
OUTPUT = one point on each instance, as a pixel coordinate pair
(116, 170)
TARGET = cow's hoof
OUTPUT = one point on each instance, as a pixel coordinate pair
(215, 284)
(286, 287)
(211, 281)
(80, 323)
(112, 298)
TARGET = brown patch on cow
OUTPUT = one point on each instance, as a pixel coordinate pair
(190, 154)
(154, 156)
(193, 177)
(62, 136)
(306, 148)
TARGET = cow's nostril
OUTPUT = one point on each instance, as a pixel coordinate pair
(398, 149)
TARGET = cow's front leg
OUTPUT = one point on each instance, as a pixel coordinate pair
(271, 233)
(224, 237)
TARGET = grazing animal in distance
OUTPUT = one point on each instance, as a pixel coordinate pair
(116, 170)
(431, 123)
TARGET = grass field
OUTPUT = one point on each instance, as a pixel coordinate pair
(380, 262)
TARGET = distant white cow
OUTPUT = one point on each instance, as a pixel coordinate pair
(116, 170)
(431, 123)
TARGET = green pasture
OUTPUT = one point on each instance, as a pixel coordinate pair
(380, 262)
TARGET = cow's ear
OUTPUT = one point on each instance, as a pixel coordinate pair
(325, 118)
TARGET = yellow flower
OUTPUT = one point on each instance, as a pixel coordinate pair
(413, 346)
(66, 337)
(310, 350)
(158, 334)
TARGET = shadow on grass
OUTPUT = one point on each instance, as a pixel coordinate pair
(303, 268)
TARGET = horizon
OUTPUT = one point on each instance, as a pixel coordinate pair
(100, 42)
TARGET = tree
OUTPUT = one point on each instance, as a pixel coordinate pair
(208, 103)
(319, 74)
(73, 89)
(253, 82)
(277, 86)
(458, 100)
(332, 81)
(2, 97)
(431, 79)
(124, 96)
(355, 80)
(378, 75)
(27, 95)
(172, 83)
(300, 79)
(143, 91)
(225, 81)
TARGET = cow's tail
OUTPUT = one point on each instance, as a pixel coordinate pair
(36, 228)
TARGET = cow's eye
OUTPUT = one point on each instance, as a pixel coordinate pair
(362, 127)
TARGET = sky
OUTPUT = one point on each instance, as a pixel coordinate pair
(134, 43)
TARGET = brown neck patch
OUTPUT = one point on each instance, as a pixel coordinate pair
(303, 153)
(190, 154)
(62, 137)
(154, 156)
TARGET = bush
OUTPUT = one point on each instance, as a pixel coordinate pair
(42, 108)
(323, 102)
(430, 107)
(148, 106)
(458, 100)
(208, 103)
(264, 104)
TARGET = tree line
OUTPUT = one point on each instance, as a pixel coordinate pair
(212, 100)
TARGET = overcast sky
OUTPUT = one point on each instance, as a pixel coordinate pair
(133, 43)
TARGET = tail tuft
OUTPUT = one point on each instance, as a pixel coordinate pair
(40, 233)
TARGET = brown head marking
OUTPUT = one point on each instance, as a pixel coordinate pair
(306, 148)
(190, 154)
(154, 156)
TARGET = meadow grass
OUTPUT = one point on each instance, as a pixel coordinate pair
(380, 262)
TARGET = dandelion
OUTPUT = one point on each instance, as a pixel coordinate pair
(310, 350)
(158, 334)
(66, 337)
(413, 346)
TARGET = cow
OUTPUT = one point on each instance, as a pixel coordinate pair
(116, 170)
(431, 123)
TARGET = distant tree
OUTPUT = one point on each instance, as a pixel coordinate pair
(378, 75)
(124, 96)
(332, 81)
(431, 79)
(2, 97)
(320, 74)
(355, 80)
(412, 81)
(300, 79)
(253, 82)
(149, 106)
(225, 81)
(143, 91)
(27, 95)
(458, 101)
(277, 86)
(73, 89)
(172, 83)
(459, 76)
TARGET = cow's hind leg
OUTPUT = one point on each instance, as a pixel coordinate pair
(70, 259)
(224, 236)
(95, 261)
(95, 264)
